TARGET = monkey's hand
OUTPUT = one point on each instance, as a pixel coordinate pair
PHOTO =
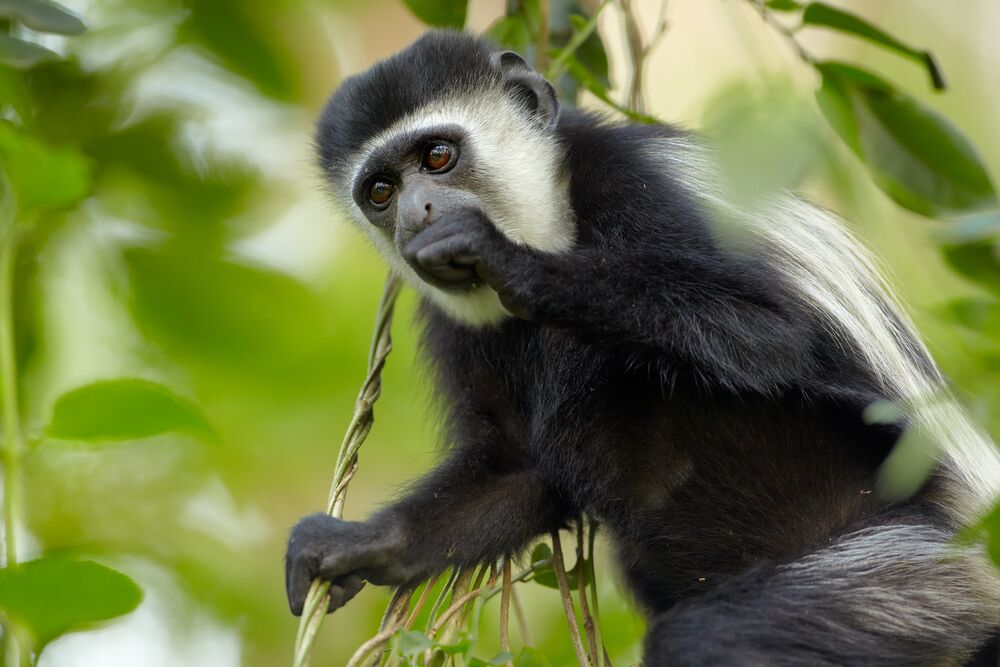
(463, 251)
(346, 553)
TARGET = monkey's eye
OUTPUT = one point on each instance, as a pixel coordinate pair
(437, 156)
(380, 192)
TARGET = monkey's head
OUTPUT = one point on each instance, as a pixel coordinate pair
(446, 126)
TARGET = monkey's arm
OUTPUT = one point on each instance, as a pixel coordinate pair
(727, 318)
(474, 508)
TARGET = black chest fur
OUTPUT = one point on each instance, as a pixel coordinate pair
(694, 483)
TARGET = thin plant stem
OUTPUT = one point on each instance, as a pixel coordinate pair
(583, 577)
(567, 599)
(13, 443)
(318, 599)
(522, 620)
(542, 43)
(505, 609)
(592, 583)
(421, 601)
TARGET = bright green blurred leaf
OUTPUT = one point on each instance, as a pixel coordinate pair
(498, 659)
(43, 177)
(766, 138)
(229, 315)
(19, 54)
(124, 409)
(439, 13)
(884, 412)
(976, 313)
(511, 32)
(51, 596)
(531, 657)
(784, 5)
(243, 35)
(42, 16)
(908, 466)
(412, 642)
(820, 14)
(978, 261)
(915, 155)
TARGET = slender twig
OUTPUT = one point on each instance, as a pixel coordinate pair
(567, 599)
(522, 620)
(12, 441)
(421, 601)
(436, 657)
(562, 58)
(505, 609)
(448, 587)
(592, 582)
(785, 31)
(372, 644)
(318, 599)
(583, 576)
(542, 42)
(633, 40)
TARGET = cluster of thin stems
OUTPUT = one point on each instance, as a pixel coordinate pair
(466, 592)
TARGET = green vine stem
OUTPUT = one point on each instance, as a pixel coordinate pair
(347, 464)
(15, 652)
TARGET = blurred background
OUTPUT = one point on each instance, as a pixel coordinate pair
(195, 248)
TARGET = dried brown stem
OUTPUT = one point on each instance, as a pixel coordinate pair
(567, 599)
(583, 576)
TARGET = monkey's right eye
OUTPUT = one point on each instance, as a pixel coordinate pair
(380, 192)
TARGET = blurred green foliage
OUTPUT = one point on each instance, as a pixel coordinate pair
(181, 388)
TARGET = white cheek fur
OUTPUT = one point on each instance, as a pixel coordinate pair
(529, 206)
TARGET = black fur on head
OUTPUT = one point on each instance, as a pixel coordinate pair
(439, 65)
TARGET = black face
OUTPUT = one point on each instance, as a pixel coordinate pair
(413, 180)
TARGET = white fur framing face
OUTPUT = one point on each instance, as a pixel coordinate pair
(527, 197)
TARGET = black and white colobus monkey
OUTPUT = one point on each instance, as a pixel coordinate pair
(600, 349)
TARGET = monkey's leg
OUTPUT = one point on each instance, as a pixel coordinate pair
(891, 595)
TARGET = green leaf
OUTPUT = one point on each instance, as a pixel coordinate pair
(51, 596)
(439, 13)
(766, 138)
(978, 261)
(123, 409)
(531, 657)
(599, 90)
(412, 642)
(583, 29)
(498, 659)
(914, 154)
(909, 464)
(884, 412)
(976, 313)
(784, 5)
(511, 32)
(820, 14)
(43, 177)
(42, 16)
(19, 54)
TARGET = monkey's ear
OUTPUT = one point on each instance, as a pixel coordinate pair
(530, 87)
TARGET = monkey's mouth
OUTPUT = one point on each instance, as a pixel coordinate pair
(451, 277)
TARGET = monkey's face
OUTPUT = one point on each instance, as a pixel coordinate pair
(487, 147)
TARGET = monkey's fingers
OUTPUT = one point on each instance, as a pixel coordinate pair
(299, 574)
(342, 590)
